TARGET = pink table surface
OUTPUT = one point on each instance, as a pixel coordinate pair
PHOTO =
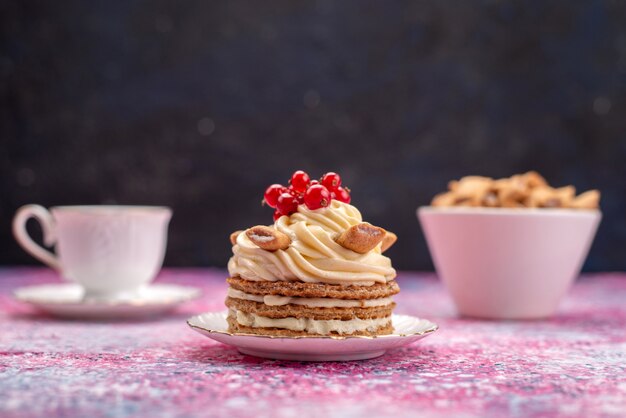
(572, 365)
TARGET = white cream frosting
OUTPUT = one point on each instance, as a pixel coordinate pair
(313, 255)
(274, 300)
(312, 326)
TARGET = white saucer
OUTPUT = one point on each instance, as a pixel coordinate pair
(407, 329)
(66, 300)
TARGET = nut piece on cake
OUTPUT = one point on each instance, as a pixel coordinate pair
(388, 241)
(233, 236)
(268, 238)
(361, 238)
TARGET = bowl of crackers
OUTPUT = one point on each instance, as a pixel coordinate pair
(509, 248)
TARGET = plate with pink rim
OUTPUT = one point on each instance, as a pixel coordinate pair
(407, 330)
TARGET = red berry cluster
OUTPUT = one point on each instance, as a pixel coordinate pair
(302, 190)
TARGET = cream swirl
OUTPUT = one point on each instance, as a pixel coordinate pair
(313, 255)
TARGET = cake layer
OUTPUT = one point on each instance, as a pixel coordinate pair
(277, 300)
(292, 327)
(315, 290)
(299, 311)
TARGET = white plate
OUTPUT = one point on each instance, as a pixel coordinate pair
(407, 329)
(66, 300)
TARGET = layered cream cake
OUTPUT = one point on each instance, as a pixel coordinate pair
(318, 270)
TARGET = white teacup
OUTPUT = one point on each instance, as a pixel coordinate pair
(111, 251)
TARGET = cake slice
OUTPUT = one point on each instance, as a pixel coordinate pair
(318, 270)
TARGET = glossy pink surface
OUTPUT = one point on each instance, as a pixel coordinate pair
(571, 366)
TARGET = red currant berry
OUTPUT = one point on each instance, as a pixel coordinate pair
(277, 215)
(300, 181)
(313, 183)
(331, 181)
(317, 197)
(271, 194)
(299, 196)
(287, 204)
(342, 194)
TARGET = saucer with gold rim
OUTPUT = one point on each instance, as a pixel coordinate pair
(407, 329)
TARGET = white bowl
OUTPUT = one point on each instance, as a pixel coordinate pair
(508, 263)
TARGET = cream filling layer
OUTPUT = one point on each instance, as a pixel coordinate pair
(312, 326)
(274, 300)
(313, 255)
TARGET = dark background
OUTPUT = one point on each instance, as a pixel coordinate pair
(201, 105)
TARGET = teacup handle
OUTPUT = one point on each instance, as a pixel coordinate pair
(49, 237)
